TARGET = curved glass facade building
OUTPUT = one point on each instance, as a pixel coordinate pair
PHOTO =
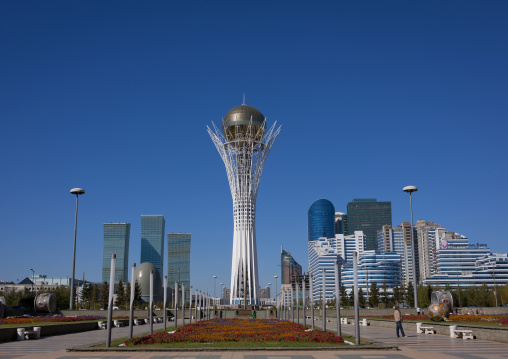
(374, 267)
(321, 220)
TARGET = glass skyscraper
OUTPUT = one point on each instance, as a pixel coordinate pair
(116, 241)
(289, 267)
(179, 245)
(368, 215)
(152, 241)
(321, 220)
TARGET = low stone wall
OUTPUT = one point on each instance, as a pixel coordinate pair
(140, 314)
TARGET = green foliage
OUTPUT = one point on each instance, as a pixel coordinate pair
(343, 296)
(63, 297)
(86, 295)
(397, 294)
(120, 295)
(481, 296)
(95, 297)
(385, 295)
(127, 296)
(104, 295)
(410, 295)
(374, 295)
(137, 294)
(423, 297)
(361, 298)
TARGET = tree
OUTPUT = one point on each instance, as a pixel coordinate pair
(410, 295)
(95, 296)
(481, 296)
(343, 296)
(429, 292)
(104, 295)
(120, 294)
(361, 298)
(397, 294)
(127, 295)
(137, 294)
(86, 294)
(384, 298)
(352, 297)
(374, 295)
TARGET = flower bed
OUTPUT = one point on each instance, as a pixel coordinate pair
(239, 330)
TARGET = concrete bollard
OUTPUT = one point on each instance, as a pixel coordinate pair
(21, 333)
(452, 329)
(37, 331)
(418, 325)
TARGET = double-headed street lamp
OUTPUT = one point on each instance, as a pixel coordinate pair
(77, 192)
(410, 190)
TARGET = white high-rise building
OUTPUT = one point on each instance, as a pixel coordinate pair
(398, 240)
(322, 255)
(244, 144)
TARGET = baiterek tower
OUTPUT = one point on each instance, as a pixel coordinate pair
(244, 144)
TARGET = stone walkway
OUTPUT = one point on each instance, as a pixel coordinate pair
(415, 346)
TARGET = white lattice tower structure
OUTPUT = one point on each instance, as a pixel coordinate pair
(244, 146)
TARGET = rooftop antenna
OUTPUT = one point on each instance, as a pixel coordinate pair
(243, 99)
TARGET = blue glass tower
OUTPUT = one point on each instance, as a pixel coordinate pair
(152, 241)
(179, 247)
(321, 219)
(116, 241)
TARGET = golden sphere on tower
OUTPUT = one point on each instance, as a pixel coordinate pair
(243, 123)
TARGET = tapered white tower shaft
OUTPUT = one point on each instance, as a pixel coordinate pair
(244, 146)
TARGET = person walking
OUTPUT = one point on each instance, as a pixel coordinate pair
(398, 322)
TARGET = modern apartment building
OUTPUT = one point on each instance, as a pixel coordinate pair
(465, 265)
(322, 255)
(373, 267)
(398, 240)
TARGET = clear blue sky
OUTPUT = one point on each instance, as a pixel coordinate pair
(115, 97)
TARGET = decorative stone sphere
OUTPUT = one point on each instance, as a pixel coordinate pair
(142, 275)
(441, 305)
(243, 123)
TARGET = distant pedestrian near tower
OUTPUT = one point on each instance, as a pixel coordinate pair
(244, 144)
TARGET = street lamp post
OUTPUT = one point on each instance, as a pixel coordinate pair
(275, 285)
(221, 293)
(33, 279)
(214, 278)
(270, 296)
(77, 192)
(410, 190)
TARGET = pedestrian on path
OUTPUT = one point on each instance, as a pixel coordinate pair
(398, 322)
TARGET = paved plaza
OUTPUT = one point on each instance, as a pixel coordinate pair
(413, 346)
